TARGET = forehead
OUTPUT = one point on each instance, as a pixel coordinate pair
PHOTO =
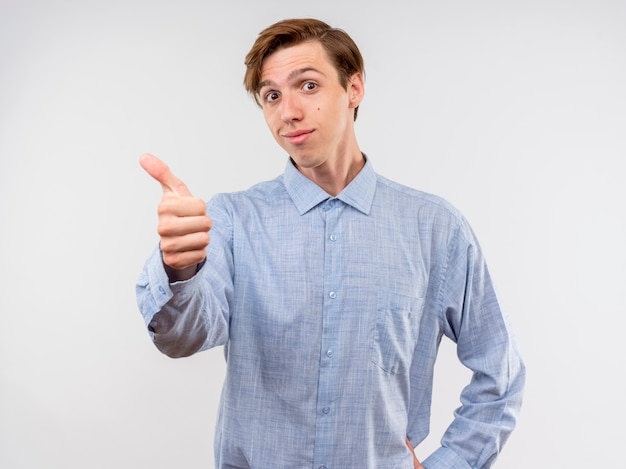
(280, 65)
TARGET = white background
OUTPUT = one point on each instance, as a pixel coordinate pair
(513, 111)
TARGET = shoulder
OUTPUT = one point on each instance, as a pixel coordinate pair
(423, 212)
(415, 201)
(262, 193)
(430, 216)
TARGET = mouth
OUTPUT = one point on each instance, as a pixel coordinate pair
(297, 137)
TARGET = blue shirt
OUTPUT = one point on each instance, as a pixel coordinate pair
(331, 311)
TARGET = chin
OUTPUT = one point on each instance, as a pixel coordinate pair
(305, 162)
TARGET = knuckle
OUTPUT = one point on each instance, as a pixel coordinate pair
(204, 239)
(167, 247)
(170, 259)
(164, 229)
(199, 205)
(165, 206)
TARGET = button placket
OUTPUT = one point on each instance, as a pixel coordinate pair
(326, 393)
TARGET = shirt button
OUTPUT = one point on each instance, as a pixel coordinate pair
(329, 353)
(161, 290)
(322, 467)
(326, 410)
(333, 237)
(332, 295)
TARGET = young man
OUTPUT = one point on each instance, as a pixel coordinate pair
(329, 287)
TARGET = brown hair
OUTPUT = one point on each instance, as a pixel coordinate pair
(340, 47)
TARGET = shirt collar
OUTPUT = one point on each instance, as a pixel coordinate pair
(305, 194)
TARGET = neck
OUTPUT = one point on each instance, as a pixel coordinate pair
(334, 177)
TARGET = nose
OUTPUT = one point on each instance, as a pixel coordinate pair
(290, 108)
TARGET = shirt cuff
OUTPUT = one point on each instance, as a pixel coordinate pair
(161, 290)
(445, 458)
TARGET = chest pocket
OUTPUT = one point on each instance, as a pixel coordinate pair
(395, 332)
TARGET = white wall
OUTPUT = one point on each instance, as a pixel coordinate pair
(513, 111)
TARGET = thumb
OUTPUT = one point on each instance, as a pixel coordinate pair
(160, 171)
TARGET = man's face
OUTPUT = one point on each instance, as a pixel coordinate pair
(309, 113)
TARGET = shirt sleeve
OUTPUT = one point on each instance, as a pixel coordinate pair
(471, 316)
(189, 316)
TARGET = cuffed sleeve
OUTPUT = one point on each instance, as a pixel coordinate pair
(445, 458)
(471, 316)
(192, 315)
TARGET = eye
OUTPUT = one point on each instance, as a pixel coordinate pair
(271, 96)
(309, 86)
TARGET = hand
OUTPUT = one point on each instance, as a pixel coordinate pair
(183, 223)
(416, 463)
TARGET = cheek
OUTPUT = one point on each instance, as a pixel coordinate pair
(270, 120)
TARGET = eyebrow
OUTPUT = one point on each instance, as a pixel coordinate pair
(293, 75)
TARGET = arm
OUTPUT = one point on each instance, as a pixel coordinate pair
(184, 312)
(471, 316)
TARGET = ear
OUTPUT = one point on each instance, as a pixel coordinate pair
(356, 90)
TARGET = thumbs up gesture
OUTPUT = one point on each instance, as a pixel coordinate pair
(183, 223)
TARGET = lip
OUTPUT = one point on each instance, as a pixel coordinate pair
(297, 137)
